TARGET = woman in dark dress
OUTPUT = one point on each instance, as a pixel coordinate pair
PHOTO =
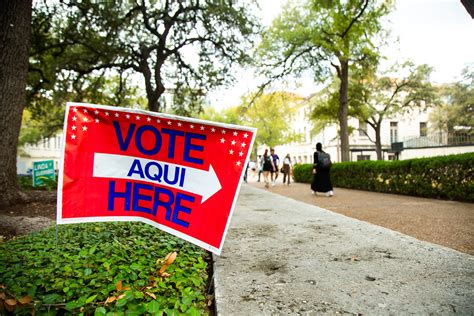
(268, 166)
(321, 177)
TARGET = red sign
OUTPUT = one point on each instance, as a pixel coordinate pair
(179, 174)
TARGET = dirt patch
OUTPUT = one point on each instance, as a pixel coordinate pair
(37, 213)
(446, 223)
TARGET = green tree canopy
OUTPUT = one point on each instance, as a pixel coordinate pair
(187, 47)
(323, 36)
(456, 115)
(271, 114)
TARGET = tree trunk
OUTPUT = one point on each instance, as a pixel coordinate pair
(378, 142)
(15, 33)
(153, 93)
(342, 114)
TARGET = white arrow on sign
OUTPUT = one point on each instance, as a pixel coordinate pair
(200, 182)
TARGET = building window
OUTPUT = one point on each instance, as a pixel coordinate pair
(363, 157)
(393, 132)
(423, 129)
(362, 128)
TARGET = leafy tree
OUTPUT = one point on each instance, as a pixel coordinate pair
(52, 80)
(185, 46)
(374, 98)
(324, 106)
(45, 112)
(324, 35)
(15, 29)
(271, 115)
(456, 115)
(380, 97)
(231, 115)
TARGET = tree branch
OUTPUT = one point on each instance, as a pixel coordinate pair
(366, 3)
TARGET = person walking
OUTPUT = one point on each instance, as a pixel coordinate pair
(321, 172)
(268, 166)
(287, 168)
(260, 166)
(246, 172)
(276, 164)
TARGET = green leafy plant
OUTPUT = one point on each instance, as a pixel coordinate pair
(444, 177)
(102, 269)
(26, 183)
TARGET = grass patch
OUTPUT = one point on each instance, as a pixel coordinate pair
(102, 269)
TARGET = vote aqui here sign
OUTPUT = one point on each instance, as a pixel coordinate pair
(179, 174)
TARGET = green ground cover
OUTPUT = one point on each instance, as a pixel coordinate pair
(102, 269)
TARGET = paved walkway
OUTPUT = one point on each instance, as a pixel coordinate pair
(282, 256)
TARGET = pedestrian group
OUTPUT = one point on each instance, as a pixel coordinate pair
(269, 166)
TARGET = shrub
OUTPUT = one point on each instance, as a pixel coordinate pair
(96, 263)
(26, 183)
(446, 177)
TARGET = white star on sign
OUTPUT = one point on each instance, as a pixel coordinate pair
(222, 140)
(158, 121)
(235, 133)
(96, 112)
(148, 119)
(233, 142)
(179, 124)
(74, 118)
(169, 123)
(85, 119)
(127, 116)
(73, 136)
(202, 128)
(73, 127)
(191, 126)
(97, 120)
(137, 117)
(246, 135)
(231, 152)
(213, 130)
(244, 144)
(238, 163)
(223, 131)
(84, 128)
(85, 110)
(107, 113)
(241, 154)
(116, 114)
(74, 110)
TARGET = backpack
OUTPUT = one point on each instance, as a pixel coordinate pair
(324, 160)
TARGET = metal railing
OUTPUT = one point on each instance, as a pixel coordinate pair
(438, 140)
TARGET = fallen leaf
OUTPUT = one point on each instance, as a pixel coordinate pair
(151, 295)
(169, 259)
(3, 296)
(165, 275)
(120, 296)
(110, 299)
(126, 288)
(25, 300)
(118, 285)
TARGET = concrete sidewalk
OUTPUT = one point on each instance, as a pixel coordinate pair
(286, 257)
